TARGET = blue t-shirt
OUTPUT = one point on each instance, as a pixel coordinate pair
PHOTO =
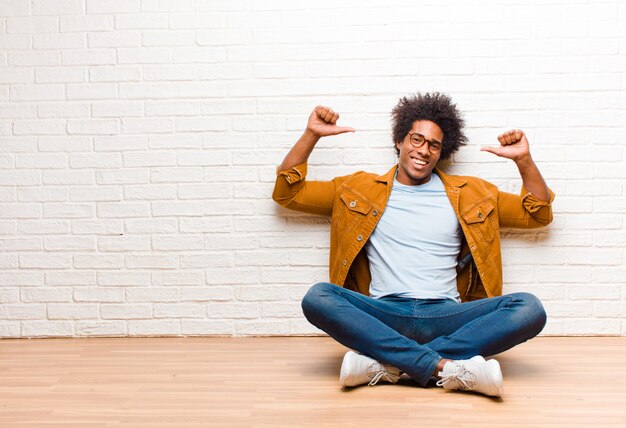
(413, 250)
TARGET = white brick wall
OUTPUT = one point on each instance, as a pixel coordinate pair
(138, 141)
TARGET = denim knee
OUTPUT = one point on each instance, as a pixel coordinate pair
(313, 301)
(532, 311)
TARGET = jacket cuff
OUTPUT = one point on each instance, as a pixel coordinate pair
(532, 203)
(293, 174)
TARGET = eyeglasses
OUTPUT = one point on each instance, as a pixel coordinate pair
(417, 140)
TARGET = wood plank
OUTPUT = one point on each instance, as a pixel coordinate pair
(293, 382)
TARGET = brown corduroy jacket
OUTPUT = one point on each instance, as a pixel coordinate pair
(355, 203)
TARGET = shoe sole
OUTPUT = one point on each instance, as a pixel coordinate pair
(344, 376)
(496, 377)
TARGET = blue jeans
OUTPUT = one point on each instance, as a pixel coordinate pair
(414, 334)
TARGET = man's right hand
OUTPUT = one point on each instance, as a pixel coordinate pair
(323, 122)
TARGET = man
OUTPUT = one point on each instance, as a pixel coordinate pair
(415, 263)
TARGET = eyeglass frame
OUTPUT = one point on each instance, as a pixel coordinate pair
(430, 143)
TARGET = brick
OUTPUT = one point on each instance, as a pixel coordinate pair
(151, 262)
(206, 294)
(112, 6)
(205, 260)
(44, 227)
(179, 310)
(13, 8)
(37, 92)
(154, 328)
(96, 193)
(125, 311)
(83, 23)
(150, 192)
(64, 144)
(161, 225)
(58, 7)
(10, 295)
(262, 328)
(70, 278)
(123, 209)
(22, 278)
(72, 311)
(123, 176)
(177, 243)
(66, 243)
(60, 75)
(211, 328)
(153, 158)
(99, 294)
(93, 126)
(125, 278)
(114, 74)
(32, 25)
(59, 41)
(97, 227)
(169, 38)
(44, 295)
(123, 243)
(115, 39)
(101, 328)
(90, 91)
(99, 261)
(119, 143)
(46, 328)
(117, 109)
(99, 160)
(186, 208)
(45, 261)
(178, 278)
(67, 210)
(20, 210)
(141, 21)
(88, 57)
(151, 294)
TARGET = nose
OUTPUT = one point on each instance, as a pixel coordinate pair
(424, 151)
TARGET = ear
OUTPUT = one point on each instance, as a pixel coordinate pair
(398, 145)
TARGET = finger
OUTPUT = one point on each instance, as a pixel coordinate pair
(491, 149)
(508, 137)
(329, 115)
(335, 118)
(342, 129)
(518, 134)
(321, 111)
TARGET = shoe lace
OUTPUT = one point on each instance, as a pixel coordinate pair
(377, 371)
(463, 378)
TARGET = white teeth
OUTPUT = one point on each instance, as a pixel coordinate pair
(419, 162)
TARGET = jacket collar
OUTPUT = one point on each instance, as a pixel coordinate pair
(448, 180)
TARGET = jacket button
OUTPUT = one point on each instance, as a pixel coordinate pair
(289, 179)
(352, 204)
(375, 213)
(345, 262)
(480, 215)
(359, 238)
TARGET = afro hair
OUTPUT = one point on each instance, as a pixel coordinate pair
(435, 107)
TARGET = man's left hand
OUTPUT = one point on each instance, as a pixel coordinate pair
(513, 145)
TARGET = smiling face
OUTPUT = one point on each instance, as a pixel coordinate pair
(416, 165)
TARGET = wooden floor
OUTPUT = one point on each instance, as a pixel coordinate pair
(293, 382)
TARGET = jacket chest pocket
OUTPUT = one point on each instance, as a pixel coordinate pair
(479, 218)
(352, 209)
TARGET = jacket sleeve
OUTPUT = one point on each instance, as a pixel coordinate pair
(293, 191)
(524, 211)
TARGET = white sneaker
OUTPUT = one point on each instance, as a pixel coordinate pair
(474, 374)
(358, 369)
